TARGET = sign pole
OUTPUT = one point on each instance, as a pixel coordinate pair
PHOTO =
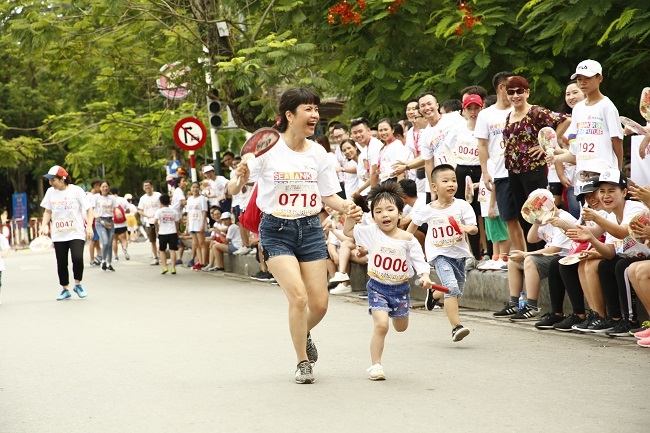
(193, 166)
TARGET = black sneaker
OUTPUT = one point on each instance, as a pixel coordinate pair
(459, 332)
(312, 352)
(526, 313)
(568, 322)
(601, 325)
(508, 311)
(548, 320)
(621, 329)
(262, 276)
(429, 302)
(304, 373)
(585, 324)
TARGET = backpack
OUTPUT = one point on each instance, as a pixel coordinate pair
(119, 216)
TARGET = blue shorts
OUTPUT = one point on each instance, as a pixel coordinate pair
(451, 273)
(95, 235)
(232, 248)
(393, 298)
(302, 238)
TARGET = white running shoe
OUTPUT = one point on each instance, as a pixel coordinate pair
(155, 262)
(242, 251)
(341, 289)
(500, 265)
(487, 266)
(376, 372)
(340, 277)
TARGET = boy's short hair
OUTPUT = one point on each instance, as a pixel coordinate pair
(409, 187)
(440, 168)
(164, 199)
(500, 78)
(450, 105)
(389, 191)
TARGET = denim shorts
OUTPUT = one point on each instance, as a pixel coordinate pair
(451, 273)
(393, 298)
(302, 238)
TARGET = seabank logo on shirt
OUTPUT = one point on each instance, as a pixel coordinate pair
(302, 176)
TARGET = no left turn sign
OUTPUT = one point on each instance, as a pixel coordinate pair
(189, 133)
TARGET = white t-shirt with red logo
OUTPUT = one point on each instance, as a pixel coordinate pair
(594, 127)
(489, 126)
(290, 183)
(434, 144)
(69, 208)
(390, 261)
(195, 207)
(441, 238)
(465, 146)
(166, 218)
(628, 246)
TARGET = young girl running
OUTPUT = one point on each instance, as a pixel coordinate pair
(391, 254)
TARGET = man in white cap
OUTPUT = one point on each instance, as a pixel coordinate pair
(216, 193)
(594, 122)
(230, 242)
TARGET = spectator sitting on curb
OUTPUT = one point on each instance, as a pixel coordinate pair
(230, 242)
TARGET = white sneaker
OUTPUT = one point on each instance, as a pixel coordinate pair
(341, 289)
(340, 277)
(242, 251)
(209, 268)
(487, 266)
(376, 372)
(470, 263)
(155, 262)
(500, 265)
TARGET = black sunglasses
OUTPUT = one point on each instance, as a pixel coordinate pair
(518, 91)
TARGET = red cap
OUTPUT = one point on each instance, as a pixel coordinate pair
(56, 171)
(472, 99)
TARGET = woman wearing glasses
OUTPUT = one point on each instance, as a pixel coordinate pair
(524, 158)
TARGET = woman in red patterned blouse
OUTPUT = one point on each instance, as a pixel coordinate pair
(524, 158)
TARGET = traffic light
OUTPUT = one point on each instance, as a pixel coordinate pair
(214, 109)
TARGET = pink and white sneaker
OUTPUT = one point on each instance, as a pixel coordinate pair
(643, 334)
(644, 342)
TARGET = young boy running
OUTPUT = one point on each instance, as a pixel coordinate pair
(391, 254)
(166, 222)
(446, 247)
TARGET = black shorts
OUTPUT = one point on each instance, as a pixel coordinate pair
(170, 241)
(556, 188)
(120, 230)
(505, 200)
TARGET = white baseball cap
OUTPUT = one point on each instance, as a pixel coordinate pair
(588, 68)
(207, 169)
(225, 216)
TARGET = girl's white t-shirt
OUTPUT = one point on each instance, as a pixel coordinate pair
(489, 126)
(464, 145)
(104, 205)
(350, 180)
(149, 204)
(389, 155)
(441, 238)
(167, 218)
(628, 246)
(69, 207)
(594, 127)
(292, 183)
(195, 207)
(390, 261)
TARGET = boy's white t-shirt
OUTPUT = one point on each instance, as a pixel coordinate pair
(104, 205)
(234, 235)
(177, 197)
(69, 208)
(4, 245)
(441, 238)
(489, 126)
(167, 218)
(149, 204)
(350, 180)
(628, 246)
(417, 205)
(554, 237)
(217, 188)
(434, 139)
(292, 183)
(484, 196)
(195, 207)
(464, 145)
(390, 261)
(594, 127)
